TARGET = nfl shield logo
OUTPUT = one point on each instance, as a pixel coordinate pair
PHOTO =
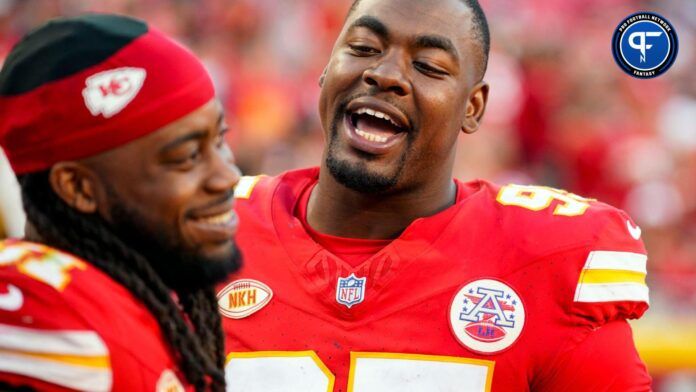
(350, 291)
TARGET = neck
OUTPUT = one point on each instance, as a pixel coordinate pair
(339, 211)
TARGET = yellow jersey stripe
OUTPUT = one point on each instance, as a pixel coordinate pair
(81, 378)
(86, 361)
(611, 276)
(83, 343)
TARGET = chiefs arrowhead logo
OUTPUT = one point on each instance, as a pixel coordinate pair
(108, 92)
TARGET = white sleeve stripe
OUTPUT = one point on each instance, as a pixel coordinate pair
(65, 342)
(245, 186)
(610, 260)
(609, 292)
(65, 375)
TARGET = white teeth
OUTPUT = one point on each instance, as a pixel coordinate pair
(376, 114)
(219, 219)
(370, 136)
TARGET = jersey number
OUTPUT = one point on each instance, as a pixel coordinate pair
(39, 262)
(537, 198)
(303, 371)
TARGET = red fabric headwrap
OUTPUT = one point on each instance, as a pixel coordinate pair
(53, 122)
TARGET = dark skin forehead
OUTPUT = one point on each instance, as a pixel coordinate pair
(442, 24)
(434, 41)
(151, 148)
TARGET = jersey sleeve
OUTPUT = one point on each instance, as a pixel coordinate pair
(602, 360)
(606, 287)
(44, 343)
(611, 272)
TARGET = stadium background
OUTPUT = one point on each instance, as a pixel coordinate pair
(561, 114)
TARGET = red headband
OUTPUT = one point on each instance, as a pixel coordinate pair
(149, 83)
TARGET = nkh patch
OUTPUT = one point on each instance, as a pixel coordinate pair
(243, 297)
(486, 316)
(350, 291)
(108, 92)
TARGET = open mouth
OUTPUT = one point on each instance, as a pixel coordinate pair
(375, 130)
(374, 125)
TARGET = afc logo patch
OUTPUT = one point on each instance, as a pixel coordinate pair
(350, 291)
(486, 316)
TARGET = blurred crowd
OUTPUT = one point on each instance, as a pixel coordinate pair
(561, 111)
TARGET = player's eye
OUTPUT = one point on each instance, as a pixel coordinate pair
(220, 138)
(362, 50)
(428, 69)
(185, 157)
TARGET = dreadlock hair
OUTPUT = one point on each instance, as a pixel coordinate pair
(479, 29)
(199, 351)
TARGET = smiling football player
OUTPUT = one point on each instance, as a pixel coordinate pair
(117, 139)
(380, 272)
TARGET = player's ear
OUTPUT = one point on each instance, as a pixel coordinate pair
(322, 77)
(76, 185)
(475, 107)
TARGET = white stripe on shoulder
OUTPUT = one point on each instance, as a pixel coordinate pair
(609, 292)
(68, 375)
(611, 260)
(245, 186)
(65, 342)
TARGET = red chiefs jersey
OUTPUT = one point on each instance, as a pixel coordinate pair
(65, 325)
(513, 288)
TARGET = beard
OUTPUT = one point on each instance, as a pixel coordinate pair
(179, 267)
(358, 176)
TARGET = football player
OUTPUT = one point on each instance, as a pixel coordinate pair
(117, 140)
(378, 271)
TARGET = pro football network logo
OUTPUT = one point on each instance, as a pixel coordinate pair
(487, 316)
(108, 92)
(645, 45)
(350, 291)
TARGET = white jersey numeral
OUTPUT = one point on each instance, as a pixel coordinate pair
(274, 371)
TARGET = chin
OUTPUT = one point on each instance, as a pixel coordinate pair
(203, 268)
(359, 176)
(218, 253)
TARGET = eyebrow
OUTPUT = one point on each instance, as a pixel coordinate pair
(437, 42)
(195, 135)
(372, 23)
(422, 41)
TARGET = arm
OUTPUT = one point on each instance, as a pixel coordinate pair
(44, 345)
(601, 355)
(605, 360)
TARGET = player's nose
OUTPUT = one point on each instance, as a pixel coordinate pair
(389, 74)
(224, 173)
